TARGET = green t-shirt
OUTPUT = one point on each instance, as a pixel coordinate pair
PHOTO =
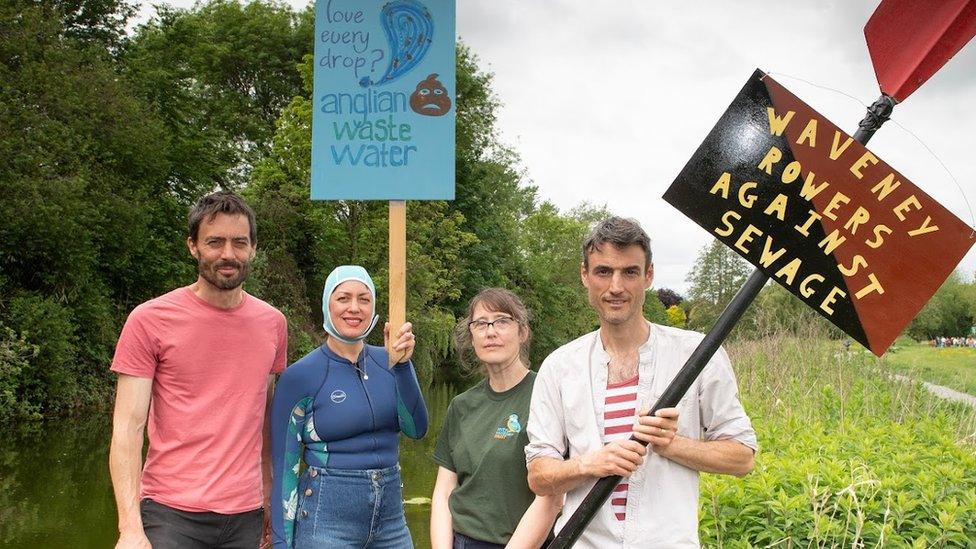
(483, 441)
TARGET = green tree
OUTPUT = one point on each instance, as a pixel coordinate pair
(549, 242)
(88, 224)
(654, 310)
(99, 23)
(949, 313)
(491, 194)
(219, 75)
(714, 279)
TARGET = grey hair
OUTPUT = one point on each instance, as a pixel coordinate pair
(620, 232)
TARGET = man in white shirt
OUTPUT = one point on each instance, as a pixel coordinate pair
(588, 391)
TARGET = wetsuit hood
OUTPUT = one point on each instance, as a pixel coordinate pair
(339, 275)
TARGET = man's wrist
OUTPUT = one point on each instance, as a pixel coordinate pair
(673, 449)
(131, 531)
(582, 466)
(131, 523)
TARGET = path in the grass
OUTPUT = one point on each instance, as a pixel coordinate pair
(944, 392)
(939, 390)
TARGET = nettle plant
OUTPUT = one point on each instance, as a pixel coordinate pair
(849, 456)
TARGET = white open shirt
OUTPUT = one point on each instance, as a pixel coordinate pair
(567, 414)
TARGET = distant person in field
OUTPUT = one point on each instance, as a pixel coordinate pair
(588, 392)
(482, 498)
(197, 365)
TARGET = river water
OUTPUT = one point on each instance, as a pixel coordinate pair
(55, 489)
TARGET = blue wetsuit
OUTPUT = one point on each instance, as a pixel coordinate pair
(338, 415)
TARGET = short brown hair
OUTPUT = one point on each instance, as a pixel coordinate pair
(620, 232)
(220, 202)
(496, 300)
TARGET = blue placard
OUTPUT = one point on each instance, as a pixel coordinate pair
(383, 100)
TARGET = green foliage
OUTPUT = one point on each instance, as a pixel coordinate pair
(716, 276)
(99, 23)
(57, 376)
(88, 224)
(949, 313)
(549, 243)
(219, 76)
(16, 354)
(654, 310)
(849, 456)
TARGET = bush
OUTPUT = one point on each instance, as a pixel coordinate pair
(677, 317)
(44, 323)
(849, 457)
(15, 356)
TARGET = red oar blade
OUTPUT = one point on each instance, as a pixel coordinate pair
(910, 40)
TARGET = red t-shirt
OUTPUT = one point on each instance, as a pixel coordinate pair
(210, 371)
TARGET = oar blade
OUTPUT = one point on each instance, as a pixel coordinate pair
(910, 40)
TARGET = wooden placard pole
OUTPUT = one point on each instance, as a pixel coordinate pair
(398, 273)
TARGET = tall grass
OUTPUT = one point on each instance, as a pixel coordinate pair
(849, 456)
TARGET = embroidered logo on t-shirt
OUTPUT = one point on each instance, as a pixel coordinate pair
(511, 428)
(338, 396)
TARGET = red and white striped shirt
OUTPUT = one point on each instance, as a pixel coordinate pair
(619, 411)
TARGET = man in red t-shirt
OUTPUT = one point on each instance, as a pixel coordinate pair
(197, 364)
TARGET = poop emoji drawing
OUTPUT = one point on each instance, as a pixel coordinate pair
(430, 98)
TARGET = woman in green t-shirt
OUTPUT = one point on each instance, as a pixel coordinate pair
(482, 498)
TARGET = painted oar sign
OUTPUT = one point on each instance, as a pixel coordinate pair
(820, 214)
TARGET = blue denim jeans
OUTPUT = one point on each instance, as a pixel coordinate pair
(351, 508)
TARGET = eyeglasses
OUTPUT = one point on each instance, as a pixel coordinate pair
(481, 326)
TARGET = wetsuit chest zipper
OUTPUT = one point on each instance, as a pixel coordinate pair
(372, 413)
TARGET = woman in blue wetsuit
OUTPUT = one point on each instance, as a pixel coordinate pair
(340, 409)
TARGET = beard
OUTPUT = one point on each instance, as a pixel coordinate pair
(208, 270)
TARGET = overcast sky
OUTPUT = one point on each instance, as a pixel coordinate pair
(606, 101)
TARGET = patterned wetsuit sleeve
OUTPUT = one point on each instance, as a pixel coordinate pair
(411, 409)
(289, 409)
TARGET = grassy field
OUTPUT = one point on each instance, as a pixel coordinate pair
(849, 457)
(953, 367)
